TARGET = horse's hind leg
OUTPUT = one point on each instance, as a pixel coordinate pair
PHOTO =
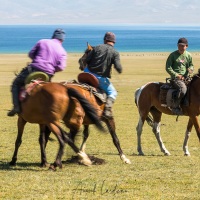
(20, 124)
(111, 126)
(43, 139)
(83, 157)
(139, 133)
(156, 130)
(58, 133)
(62, 138)
(69, 139)
(187, 135)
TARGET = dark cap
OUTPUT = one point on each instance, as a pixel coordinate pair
(183, 41)
(59, 34)
(109, 36)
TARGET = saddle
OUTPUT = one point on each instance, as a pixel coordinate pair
(25, 91)
(168, 95)
(32, 80)
(89, 82)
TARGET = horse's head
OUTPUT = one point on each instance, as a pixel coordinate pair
(82, 60)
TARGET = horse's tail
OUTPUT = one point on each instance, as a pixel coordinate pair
(88, 108)
(136, 95)
(148, 118)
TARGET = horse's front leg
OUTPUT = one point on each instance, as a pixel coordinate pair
(196, 125)
(156, 131)
(111, 126)
(20, 125)
(43, 139)
(187, 135)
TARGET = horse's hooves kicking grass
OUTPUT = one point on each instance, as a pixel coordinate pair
(95, 160)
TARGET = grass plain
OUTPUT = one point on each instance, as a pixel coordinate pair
(153, 176)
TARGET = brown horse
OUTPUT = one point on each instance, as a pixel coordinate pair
(47, 105)
(147, 100)
(99, 106)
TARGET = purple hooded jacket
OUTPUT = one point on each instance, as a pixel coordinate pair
(49, 56)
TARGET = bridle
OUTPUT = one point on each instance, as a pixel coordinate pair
(82, 60)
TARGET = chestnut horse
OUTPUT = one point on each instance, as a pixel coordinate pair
(47, 105)
(147, 100)
(110, 123)
(99, 106)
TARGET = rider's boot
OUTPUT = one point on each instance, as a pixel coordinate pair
(14, 111)
(108, 108)
(16, 108)
(177, 110)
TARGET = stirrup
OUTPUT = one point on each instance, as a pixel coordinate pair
(177, 111)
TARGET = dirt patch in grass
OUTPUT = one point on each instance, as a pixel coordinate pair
(95, 160)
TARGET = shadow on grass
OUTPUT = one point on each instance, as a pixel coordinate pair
(19, 166)
(150, 155)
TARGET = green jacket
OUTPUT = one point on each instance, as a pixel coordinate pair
(179, 64)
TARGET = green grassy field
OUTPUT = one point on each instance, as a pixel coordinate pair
(153, 176)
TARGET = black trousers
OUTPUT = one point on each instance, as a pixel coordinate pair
(19, 82)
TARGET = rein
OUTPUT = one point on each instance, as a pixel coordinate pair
(197, 75)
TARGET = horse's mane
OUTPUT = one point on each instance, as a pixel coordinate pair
(87, 51)
(196, 76)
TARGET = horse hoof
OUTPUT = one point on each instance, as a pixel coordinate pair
(43, 165)
(187, 154)
(128, 161)
(84, 159)
(125, 159)
(60, 166)
(52, 168)
(12, 163)
(167, 154)
(140, 154)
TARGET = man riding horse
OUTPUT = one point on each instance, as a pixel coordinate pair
(48, 56)
(99, 62)
(179, 66)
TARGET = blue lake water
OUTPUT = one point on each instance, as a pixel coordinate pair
(130, 38)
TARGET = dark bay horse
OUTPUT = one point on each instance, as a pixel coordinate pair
(99, 106)
(47, 105)
(147, 101)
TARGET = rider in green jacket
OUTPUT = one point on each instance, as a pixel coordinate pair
(179, 66)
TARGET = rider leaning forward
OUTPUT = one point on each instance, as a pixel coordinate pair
(48, 56)
(179, 66)
(99, 63)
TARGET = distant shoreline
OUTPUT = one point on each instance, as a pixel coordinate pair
(121, 53)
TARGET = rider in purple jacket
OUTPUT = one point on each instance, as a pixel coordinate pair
(48, 56)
